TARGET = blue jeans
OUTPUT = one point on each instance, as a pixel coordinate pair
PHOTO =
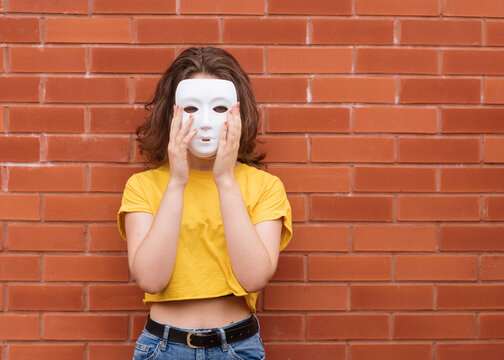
(151, 347)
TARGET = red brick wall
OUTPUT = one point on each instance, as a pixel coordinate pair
(384, 119)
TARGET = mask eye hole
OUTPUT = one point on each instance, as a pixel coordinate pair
(220, 109)
(190, 109)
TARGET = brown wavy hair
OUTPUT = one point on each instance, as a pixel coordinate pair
(154, 133)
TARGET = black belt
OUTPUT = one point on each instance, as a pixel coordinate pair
(205, 338)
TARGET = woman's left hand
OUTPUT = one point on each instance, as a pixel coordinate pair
(229, 143)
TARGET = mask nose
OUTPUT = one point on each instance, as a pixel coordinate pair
(205, 121)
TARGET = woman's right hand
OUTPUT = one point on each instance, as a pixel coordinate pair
(180, 136)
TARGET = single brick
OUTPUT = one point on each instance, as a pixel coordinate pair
(433, 326)
(305, 297)
(494, 91)
(19, 89)
(493, 149)
(88, 30)
(472, 120)
(89, 207)
(44, 237)
(91, 327)
(307, 119)
(281, 327)
(309, 60)
(319, 238)
(437, 208)
(46, 178)
(471, 238)
(439, 150)
(86, 90)
(438, 268)
(394, 179)
(131, 60)
(472, 180)
(48, 59)
(495, 31)
(134, 7)
(347, 326)
(63, 7)
(463, 297)
(391, 297)
(314, 7)
(352, 149)
(313, 179)
(352, 89)
(19, 148)
(441, 32)
(351, 208)
(396, 61)
(116, 297)
(19, 327)
(352, 31)
(264, 31)
(394, 238)
(206, 7)
(19, 30)
(85, 268)
(280, 89)
(349, 268)
(483, 8)
(19, 207)
(46, 297)
(481, 61)
(471, 351)
(397, 7)
(379, 119)
(285, 148)
(46, 351)
(50, 119)
(176, 30)
(439, 91)
(100, 148)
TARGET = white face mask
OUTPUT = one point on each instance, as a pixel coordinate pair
(208, 100)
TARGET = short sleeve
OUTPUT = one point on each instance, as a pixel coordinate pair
(133, 200)
(273, 204)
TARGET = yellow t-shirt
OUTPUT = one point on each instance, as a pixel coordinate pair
(202, 265)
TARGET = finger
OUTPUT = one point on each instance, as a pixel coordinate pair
(230, 124)
(238, 118)
(185, 128)
(174, 121)
(190, 135)
(235, 129)
(223, 133)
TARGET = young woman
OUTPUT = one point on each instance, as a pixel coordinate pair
(204, 228)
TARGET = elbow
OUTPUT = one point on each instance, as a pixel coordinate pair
(148, 279)
(253, 289)
(255, 286)
(150, 284)
(150, 287)
(258, 283)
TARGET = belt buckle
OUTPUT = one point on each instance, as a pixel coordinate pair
(188, 339)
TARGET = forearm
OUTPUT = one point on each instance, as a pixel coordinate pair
(250, 261)
(155, 258)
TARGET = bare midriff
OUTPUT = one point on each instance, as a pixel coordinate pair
(201, 313)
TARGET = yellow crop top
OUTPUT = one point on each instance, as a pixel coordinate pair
(202, 266)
